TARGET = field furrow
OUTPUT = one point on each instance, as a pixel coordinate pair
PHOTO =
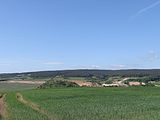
(3, 110)
(34, 106)
(19, 111)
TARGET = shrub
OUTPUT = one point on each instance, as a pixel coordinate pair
(57, 83)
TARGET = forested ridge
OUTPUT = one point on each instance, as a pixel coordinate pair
(87, 73)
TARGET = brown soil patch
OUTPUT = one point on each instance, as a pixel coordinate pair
(34, 106)
(83, 83)
(26, 82)
(3, 111)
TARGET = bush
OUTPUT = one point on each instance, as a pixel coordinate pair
(59, 83)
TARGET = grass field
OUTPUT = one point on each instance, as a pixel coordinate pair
(135, 103)
(16, 86)
(18, 111)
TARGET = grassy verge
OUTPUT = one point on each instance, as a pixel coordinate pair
(19, 111)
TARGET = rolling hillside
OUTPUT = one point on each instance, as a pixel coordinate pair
(84, 73)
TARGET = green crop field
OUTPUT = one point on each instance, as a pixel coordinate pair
(134, 103)
(15, 86)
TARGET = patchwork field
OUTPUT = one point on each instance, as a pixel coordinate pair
(134, 103)
(16, 86)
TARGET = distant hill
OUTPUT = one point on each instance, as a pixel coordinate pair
(86, 73)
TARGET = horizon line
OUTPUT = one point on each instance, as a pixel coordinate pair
(24, 72)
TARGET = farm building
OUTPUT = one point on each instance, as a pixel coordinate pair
(110, 85)
(136, 83)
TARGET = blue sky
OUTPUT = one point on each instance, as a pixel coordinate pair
(73, 34)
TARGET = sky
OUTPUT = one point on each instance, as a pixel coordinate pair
(37, 35)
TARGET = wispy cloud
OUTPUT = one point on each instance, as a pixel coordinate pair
(117, 66)
(146, 9)
(5, 64)
(125, 66)
(86, 67)
(152, 56)
(53, 63)
(95, 66)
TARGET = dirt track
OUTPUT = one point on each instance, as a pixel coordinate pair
(82, 82)
(3, 112)
(34, 107)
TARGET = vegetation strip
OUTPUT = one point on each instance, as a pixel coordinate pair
(34, 106)
(3, 111)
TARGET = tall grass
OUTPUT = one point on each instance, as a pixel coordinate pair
(141, 103)
(18, 111)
